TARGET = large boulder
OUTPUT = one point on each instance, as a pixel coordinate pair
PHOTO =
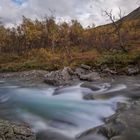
(124, 125)
(67, 75)
(92, 134)
(90, 77)
(107, 131)
(12, 131)
(60, 77)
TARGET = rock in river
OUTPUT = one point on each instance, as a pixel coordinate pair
(124, 125)
(68, 75)
(49, 135)
(60, 77)
(90, 86)
(90, 77)
(12, 131)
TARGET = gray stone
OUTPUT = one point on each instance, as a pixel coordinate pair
(109, 71)
(93, 137)
(124, 125)
(90, 77)
(65, 76)
(49, 135)
(80, 71)
(86, 67)
(12, 131)
(90, 86)
(132, 70)
(89, 97)
(60, 77)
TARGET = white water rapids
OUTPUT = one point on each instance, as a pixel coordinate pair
(66, 112)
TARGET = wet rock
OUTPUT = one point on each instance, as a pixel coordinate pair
(93, 137)
(90, 77)
(67, 75)
(33, 74)
(60, 77)
(86, 67)
(12, 131)
(90, 86)
(130, 118)
(127, 136)
(106, 131)
(80, 71)
(132, 70)
(89, 97)
(111, 130)
(124, 125)
(109, 71)
(49, 135)
(90, 132)
(25, 78)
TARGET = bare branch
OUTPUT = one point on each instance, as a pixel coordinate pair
(117, 25)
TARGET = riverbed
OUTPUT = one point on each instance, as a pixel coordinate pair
(63, 109)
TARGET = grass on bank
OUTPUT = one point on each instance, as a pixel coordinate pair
(44, 59)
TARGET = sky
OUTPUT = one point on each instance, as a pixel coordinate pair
(87, 12)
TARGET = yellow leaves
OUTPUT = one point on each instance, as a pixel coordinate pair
(48, 34)
(31, 31)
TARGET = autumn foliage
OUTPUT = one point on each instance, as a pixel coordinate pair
(50, 45)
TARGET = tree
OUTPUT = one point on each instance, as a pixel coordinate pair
(53, 31)
(75, 32)
(117, 25)
(65, 38)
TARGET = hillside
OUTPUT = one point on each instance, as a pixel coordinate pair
(134, 15)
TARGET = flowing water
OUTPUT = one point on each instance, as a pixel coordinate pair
(66, 112)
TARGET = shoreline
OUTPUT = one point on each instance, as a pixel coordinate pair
(123, 125)
(81, 73)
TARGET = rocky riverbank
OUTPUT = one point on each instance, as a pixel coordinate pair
(124, 125)
(68, 76)
(25, 78)
(86, 73)
(13, 131)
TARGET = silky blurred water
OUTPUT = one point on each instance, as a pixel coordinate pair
(67, 112)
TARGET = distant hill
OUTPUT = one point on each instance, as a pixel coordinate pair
(133, 15)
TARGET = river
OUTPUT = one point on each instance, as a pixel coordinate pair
(67, 112)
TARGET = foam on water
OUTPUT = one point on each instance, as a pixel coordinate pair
(118, 87)
(4, 98)
(73, 92)
(66, 112)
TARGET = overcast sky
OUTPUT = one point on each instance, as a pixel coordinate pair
(86, 11)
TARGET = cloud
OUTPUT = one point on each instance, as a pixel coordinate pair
(86, 11)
